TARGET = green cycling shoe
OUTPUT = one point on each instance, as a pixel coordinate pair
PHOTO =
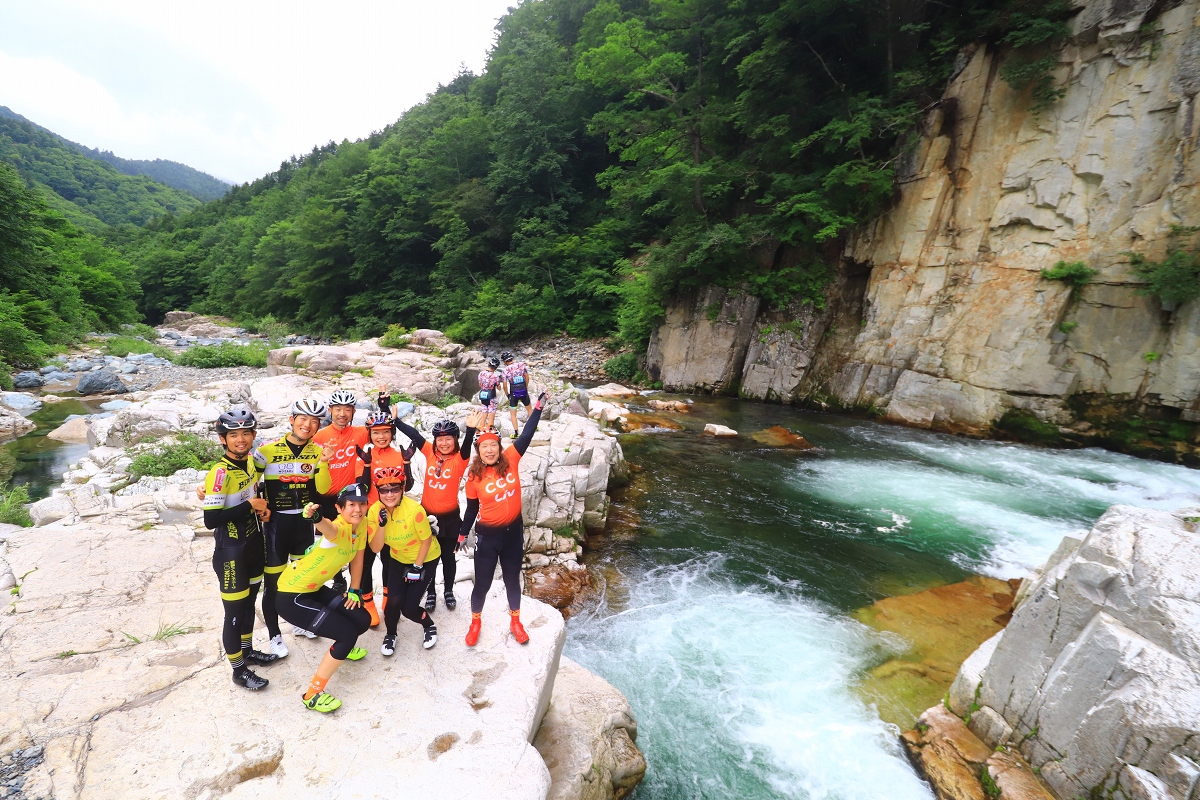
(322, 702)
(357, 654)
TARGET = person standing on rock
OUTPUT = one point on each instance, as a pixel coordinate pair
(297, 474)
(234, 512)
(489, 385)
(402, 525)
(494, 497)
(516, 386)
(306, 602)
(379, 453)
(445, 464)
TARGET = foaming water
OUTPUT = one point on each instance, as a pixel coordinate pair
(741, 692)
(725, 619)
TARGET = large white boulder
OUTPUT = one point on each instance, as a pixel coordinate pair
(1097, 677)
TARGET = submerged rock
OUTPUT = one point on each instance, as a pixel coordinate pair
(779, 436)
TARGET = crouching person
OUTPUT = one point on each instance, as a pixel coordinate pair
(306, 602)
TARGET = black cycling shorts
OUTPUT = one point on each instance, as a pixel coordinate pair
(239, 564)
(519, 397)
(288, 535)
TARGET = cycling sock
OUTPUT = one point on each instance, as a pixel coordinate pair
(247, 643)
(316, 687)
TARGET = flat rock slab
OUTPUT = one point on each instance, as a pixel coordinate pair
(125, 714)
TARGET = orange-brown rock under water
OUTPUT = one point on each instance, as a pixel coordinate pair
(943, 625)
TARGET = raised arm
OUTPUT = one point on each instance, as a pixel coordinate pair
(522, 442)
(468, 519)
(412, 433)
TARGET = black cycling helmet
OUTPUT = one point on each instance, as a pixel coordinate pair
(445, 427)
(506, 356)
(493, 362)
(353, 491)
(236, 419)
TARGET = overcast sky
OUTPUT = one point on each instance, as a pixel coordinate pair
(231, 88)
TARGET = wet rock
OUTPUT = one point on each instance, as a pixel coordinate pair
(102, 382)
(73, 430)
(23, 404)
(557, 584)
(13, 424)
(779, 436)
(944, 626)
(948, 755)
(1012, 776)
(720, 431)
(628, 423)
(677, 406)
(28, 380)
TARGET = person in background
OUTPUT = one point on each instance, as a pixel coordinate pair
(234, 512)
(445, 464)
(516, 386)
(489, 385)
(306, 602)
(494, 497)
(403, 526)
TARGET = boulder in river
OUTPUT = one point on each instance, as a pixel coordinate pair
(101, 382)
(611, 390)
(779, 436)
(28, 380)
(73, 430)
(720, 431)
(13, 424)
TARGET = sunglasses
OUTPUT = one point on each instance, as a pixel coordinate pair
(390, 490)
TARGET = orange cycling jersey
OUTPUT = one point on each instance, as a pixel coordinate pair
(443, 474)
(499, 495)
(344, 466)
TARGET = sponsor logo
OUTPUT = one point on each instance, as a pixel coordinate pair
(219, 479)
(306, 468)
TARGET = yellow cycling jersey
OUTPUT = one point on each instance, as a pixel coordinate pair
(407, 526)
(228, 486)
(324, 559)
(293, 479)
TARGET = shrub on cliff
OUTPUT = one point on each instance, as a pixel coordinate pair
(1175, 279)
(1075, 274)
(188, 451)
(622, 368)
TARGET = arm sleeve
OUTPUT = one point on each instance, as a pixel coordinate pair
(464, 449)
(216, 517)
(411, 433)
(324, 482)
(522, 444)
(469, 517)
(385, 403)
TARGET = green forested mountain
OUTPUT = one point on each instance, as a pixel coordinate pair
(172, 173)
(87, 191)
(612, 152)
(57, 282)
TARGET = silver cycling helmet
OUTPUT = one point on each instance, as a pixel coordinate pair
(309, 407)
(342, 397)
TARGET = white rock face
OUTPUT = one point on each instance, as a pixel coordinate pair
(13, 424)
(1097, 676)
(701, 346)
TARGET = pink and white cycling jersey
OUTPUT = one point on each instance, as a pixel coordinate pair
(517, 376)
(489, 380)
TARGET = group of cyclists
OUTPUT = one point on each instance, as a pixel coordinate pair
(291, 516)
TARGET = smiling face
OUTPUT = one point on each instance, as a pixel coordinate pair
(391, 495)
(381, 437)
(445, 444)
(489, 452)
(239, 443)
(304, 427)
(352, 511)
(341, 416)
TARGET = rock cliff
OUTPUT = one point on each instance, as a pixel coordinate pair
(1095, 682)
(940, 317)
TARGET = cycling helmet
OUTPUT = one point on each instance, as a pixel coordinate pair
(445, 427)
(309, 407)
(236, 419)
(487, 435)
(342, 397)
(379, 420)
(385, 476)
(493, 362)
(353, 491)
(506, 356)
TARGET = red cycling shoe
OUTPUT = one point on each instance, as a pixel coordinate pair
(473, 632)
(518, 630)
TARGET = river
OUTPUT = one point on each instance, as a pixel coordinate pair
(37, 462)
(725, 619)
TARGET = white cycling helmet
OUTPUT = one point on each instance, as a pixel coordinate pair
(342, 397)
(309, 407)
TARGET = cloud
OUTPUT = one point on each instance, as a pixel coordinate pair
(232, 88)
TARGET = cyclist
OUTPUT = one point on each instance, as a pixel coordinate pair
(378, 453)
(516, 386)
(403, 526)
(305, 601)
(346, 439)
(297, 474)
(234, 512)
(494, 496)
(489, 384)
(445, 464)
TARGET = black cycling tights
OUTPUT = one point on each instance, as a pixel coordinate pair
(506, 545)
(448, 525)
(269, 603)
(341, 624)
(239, 622)
(404, 597)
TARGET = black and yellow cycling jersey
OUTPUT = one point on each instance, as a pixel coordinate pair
(294, 475)
(227, 492)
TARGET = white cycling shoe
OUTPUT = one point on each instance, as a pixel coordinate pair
(278, 647)
(301, 632)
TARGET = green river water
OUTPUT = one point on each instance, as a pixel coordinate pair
(725, 618)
